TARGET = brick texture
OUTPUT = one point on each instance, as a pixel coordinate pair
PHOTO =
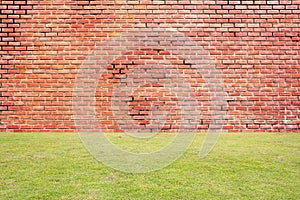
(254, 44)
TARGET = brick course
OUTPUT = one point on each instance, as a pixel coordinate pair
(253, 43)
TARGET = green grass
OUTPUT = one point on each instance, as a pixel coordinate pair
(241, 166)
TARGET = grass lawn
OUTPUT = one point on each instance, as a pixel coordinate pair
(241, 166)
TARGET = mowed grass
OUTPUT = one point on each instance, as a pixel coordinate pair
(241, 166)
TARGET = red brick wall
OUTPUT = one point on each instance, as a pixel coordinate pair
(254, 44)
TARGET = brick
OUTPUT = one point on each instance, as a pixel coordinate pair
(254, 45)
